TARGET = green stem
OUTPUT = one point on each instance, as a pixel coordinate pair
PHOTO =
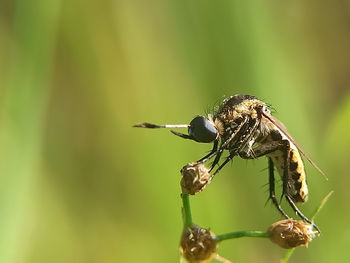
(186, 210)
(287, 255)
(241, 234)
(323, 202)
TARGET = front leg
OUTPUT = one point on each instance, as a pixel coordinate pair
(212, 152)
(223, 145)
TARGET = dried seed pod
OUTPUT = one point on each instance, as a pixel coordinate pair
(195, 176)
(289, 233)
(198, 245)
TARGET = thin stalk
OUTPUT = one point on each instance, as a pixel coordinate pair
(241, 234)
(186, 210)
(287, 255)
(323, 202)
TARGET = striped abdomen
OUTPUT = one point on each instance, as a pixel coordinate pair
(296, 186)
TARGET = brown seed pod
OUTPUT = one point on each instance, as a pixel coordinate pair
(195, 176)
(198, 245)
(289, 233)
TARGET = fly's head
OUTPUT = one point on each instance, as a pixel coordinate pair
(233, 111)
(200, 129)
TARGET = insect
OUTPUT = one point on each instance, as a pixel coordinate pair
(243, 126)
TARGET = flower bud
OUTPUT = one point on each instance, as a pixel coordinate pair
(195, 176)
(198, 245)
(289, 233)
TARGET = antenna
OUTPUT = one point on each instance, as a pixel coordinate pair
(156, 126)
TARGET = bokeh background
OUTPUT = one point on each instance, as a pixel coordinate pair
(78, 184)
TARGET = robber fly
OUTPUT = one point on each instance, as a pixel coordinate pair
(243, 125)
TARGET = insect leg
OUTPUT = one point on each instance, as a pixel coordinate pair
(249, 137)
(239, 133)
(285, 192)
(299, 213)
(222, 147)
(263, 150)
(235, 133)
(216, 160)
(233, 152)
(229, 158)
(212, 152)
(272, 188)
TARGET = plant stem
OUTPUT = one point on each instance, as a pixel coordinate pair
(186, 210)
(241, 234)
(323, 202)
(287, 255)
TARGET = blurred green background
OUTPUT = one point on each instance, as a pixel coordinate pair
(78, 184)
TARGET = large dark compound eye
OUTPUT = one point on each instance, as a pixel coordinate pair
(202, 130)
